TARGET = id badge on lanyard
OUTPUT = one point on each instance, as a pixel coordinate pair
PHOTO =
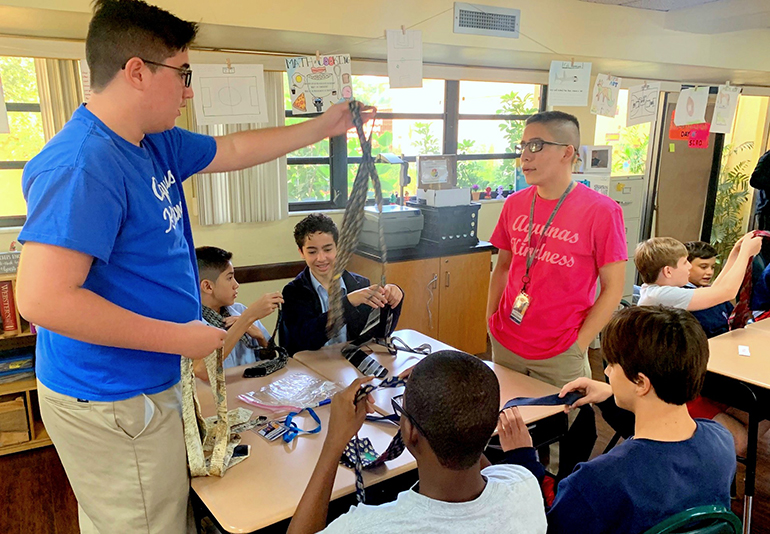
(523, 300)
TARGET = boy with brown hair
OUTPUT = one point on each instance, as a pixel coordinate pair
(665, 270)
(703, 258)
(657, 363)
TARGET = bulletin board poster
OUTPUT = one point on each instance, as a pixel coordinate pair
(696, 135)
(318, 82)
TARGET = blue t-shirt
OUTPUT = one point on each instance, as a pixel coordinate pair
(641, 482)
(714, 320)
(92, 191)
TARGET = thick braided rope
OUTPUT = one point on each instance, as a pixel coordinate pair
(353, 220)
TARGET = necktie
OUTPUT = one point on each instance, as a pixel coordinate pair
(742, 313)
(549, 400)
(210, 442)
(218, 320)
(271, 358)
(353, 220)
(359, 454)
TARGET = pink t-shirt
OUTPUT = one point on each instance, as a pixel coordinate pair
(586, 234)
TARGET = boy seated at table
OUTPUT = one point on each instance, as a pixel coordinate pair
(663, 266)
(219, 289)
(657, 362)
(703, 258)
(306, 305)
(449, 412)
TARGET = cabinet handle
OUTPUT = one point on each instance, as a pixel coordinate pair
(431, 286)
(446, 282)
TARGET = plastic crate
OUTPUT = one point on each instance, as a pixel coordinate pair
(451, 226)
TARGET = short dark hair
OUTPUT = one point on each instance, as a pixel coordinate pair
(700, 249)
(564, 126)
(667, 345)
(455, 399)
(313, 223)
(122, 29)
(212, 262)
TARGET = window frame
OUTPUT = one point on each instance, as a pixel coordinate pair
(339, 160)
(11, 221)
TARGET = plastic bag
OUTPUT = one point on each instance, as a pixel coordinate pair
(295, 391)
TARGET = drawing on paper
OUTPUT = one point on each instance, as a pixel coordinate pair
(604, 100)
(232, 94)
(642, 103)
(317, 83)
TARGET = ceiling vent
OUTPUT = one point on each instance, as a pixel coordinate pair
(487, 20)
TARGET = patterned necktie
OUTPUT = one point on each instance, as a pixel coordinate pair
(359, 454)
(353, 220)
(742, 313)
(218, 320)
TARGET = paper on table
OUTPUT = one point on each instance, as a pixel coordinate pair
(604, 99)
(724, 110)
(743, 350)
(4, 126)
(229, 95)
(691, 106)
(643, 103)
(568, 83)
(405, 58)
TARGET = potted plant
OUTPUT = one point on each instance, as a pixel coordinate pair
(475, 193)
(487, 193)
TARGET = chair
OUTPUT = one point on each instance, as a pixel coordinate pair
(700, 520)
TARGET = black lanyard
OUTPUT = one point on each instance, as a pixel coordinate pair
(532, 251)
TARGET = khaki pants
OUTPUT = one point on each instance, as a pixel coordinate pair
(558, 371)
(125, 460)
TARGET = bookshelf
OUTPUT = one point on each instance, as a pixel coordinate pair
(27, 388)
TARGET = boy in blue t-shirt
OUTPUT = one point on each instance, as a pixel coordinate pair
(219, 289)
(108, 267)
(703, 257)
(657, 363)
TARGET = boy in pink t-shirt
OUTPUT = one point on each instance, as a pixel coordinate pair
(542, 318)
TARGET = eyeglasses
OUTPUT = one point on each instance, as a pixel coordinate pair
(399, 410)
(185, 73)
(536, 145)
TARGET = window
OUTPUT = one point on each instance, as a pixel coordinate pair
(26, 138)
(479, 121)
(491, 123)
(629, 143)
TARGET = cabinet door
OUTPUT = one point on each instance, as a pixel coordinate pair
(462, 306)
(419, 281)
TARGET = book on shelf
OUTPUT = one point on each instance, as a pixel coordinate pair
(8, 309)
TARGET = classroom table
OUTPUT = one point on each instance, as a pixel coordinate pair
(329, 363)
(266, 487)
(739, 375)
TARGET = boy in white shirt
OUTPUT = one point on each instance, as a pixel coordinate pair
(219, 289)
(663, 266)
(450, 409)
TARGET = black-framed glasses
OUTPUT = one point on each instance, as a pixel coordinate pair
(184, 72)
(536, 145)
(398, 409)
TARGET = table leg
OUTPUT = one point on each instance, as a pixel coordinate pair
(751, 468)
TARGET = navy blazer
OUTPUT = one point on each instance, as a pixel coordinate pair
(304, 325)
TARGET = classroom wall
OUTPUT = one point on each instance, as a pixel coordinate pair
(563, 27)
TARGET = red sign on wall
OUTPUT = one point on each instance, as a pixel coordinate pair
(696, 135)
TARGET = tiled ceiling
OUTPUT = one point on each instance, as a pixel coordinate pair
(655, 5)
